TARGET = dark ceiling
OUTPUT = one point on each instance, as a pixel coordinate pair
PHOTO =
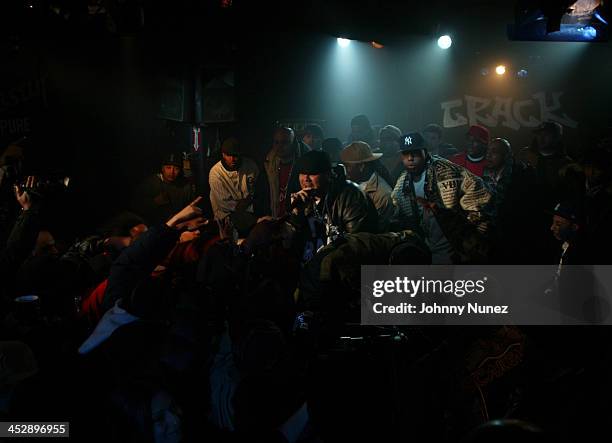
(361, 19)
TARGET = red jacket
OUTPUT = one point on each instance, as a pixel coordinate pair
(476, 168)
(91, 305)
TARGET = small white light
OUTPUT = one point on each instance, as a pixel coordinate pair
(343, 42)
(500, 70)
(445, 42)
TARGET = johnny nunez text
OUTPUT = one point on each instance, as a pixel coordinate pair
(435, 308)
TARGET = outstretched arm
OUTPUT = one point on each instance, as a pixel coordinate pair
(138, 261)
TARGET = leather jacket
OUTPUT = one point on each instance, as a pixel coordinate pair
(349, 210)
(344, 210)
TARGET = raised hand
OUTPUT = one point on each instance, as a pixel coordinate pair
(22, 196)
(300, 199)
(189, 218)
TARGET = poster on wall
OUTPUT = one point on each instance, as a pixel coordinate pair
(21, 105)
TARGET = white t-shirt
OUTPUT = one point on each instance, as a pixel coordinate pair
(438, 243)
(419, 186)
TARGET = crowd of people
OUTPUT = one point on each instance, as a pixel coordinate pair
(234, 315)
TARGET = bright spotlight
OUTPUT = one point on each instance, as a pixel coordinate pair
(445, 42)
(500, 70)
(343, 42)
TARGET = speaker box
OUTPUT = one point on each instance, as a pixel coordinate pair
(177, 99)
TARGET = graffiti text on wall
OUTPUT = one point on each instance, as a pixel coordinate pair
(505, 111)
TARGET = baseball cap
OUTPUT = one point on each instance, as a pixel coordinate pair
(569, 211)
(173, 158)
(412, 141)
(480, 133)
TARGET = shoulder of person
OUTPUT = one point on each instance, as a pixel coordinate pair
(350, 190)
(349, 185)
(519, 166)
(458, 157)
(382, 184)
(270, 155)
(525, 151)
(441, 162)
(400, 179)
(149, 180)
(216, 169)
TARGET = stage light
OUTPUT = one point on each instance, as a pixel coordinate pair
(598, 16)
(589, 32)
(343, 42)
(377, 45)
(522, 73)
(445, 42)
(500, 70)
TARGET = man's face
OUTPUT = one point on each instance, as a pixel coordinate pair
(432, 139)
(315, 181)
(312, 141)
(545, 140)
(388, 142)
(231, 160)
(45, 244)
(282, 142)
(170, 172)
(308, 138)
(496, 156)
(475, 148)
(414, 161)
(354, 171)
(358, 132)
(562, 228)
(593, 174)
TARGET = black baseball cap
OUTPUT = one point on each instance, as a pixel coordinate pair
(412, 141)
(174, 158)
(314, 162)
(569, 211)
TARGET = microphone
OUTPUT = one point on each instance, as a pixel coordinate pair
(298, 203)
